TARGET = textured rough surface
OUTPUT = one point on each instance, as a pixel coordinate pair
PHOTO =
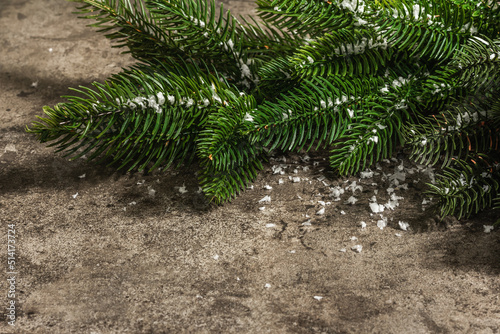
(120, 258)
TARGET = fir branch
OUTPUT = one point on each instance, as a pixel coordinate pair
(467, 187)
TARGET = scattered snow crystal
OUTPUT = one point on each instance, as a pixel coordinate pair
(357, 248)
(488, 228)
(403, 225)
(266, 199)
(376, 208)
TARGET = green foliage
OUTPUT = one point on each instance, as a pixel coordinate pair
(359, 78)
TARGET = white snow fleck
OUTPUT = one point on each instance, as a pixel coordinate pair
(266, 199)
(270, 225)
(74, 196)
(82, 176)
(296, 179)
(267, 285)
(403, 225)
(357, 248)
(268, 187)
(318, 297)
(342, 212)
(337, 191)
(488, 228)
(262, 208)
(183, 189)
(376, 208)
(132, 203)
(280, 181)
(216, 257)
(151, 192)
(354, 186)
(321, 211)
(245, 71)
(292, 251)
(363, 224)
(351, 200)
(382, 223)
(343, 250)
(321, 203)
(276, 169)
(399, 235)
(354, 238)
(248, 117)
(307, 223)
(366, 174)
(10, 148)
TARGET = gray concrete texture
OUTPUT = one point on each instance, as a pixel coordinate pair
(101, 251)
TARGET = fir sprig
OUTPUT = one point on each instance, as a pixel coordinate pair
(356, 77)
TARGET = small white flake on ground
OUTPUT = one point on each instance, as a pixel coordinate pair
(342, 212)
(363, 224)
(488, 228)
(268, 187)
(343, 250)
(132, 203)
(280, 181)
(296, 179)
(307, 223)
(295, 171)
(318, 297)
(354, 186)
(376, 208)
(381, 223)
(321, 211)
(183, 189)
(10, 148)
(353, 238)
(366, 174)
(357, 248)
(262, 208)
(82, 176)
(267, 285)
(270, 225)
(398, 235)
(321, 203)
(403, 225)
(276, 169)
(216, 257)
(351, 200)
(141, 182)
(266, 199)
(74, 196)
(292, 251)
(151, 192)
